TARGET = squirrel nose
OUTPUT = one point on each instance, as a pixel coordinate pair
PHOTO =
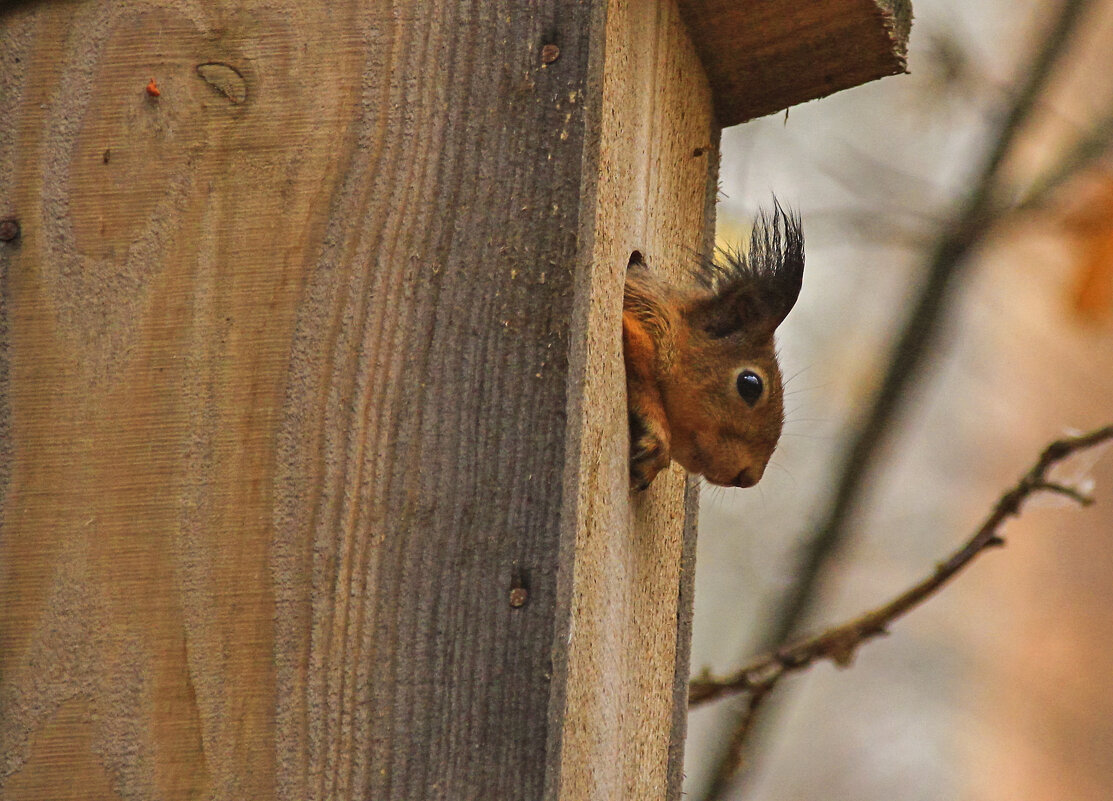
(744, 478)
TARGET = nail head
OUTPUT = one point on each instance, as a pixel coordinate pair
(518, 596)
(9, 230)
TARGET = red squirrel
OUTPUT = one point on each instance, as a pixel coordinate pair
(702, 378)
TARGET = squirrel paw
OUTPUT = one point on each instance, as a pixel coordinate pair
(649, 452)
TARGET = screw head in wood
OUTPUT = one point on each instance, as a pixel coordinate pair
(518, 597)
(9, 230)
(549, 53)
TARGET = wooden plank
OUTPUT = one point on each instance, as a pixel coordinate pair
(286, 394)
(762, 56)
(631, 601)
(309, 366)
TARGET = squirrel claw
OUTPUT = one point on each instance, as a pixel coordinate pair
(649, 455)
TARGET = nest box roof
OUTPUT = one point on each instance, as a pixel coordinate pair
(762, 56)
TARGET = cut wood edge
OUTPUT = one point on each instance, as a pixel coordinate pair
(763, 57)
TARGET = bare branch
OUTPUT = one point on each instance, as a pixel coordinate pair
(1087, 150)
(738, 739)
(976, 215)
(840, 643)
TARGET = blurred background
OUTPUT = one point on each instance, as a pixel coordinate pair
(983, 176)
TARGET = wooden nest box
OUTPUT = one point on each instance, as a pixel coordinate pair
(313, 449)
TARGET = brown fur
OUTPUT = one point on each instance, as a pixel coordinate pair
(685, 347)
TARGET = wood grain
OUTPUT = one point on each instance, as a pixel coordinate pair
(624, 720)
(306, 365)
(285, 385)
(313, 448)
(763, 56)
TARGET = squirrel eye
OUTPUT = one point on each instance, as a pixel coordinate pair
(750, 386)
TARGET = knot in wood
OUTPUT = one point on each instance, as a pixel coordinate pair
(225, 79)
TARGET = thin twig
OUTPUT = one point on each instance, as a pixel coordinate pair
(840, 643)
(741, 733)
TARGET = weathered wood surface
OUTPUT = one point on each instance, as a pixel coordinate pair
(312, 424)
(762, 56)
(307, 363)
(655, 193)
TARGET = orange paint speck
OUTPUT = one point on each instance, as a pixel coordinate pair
(152, 89)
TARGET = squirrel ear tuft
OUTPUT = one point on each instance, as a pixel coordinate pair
(754, 291)
(781, 246)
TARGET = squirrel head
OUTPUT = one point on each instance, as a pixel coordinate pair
(717, 375)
